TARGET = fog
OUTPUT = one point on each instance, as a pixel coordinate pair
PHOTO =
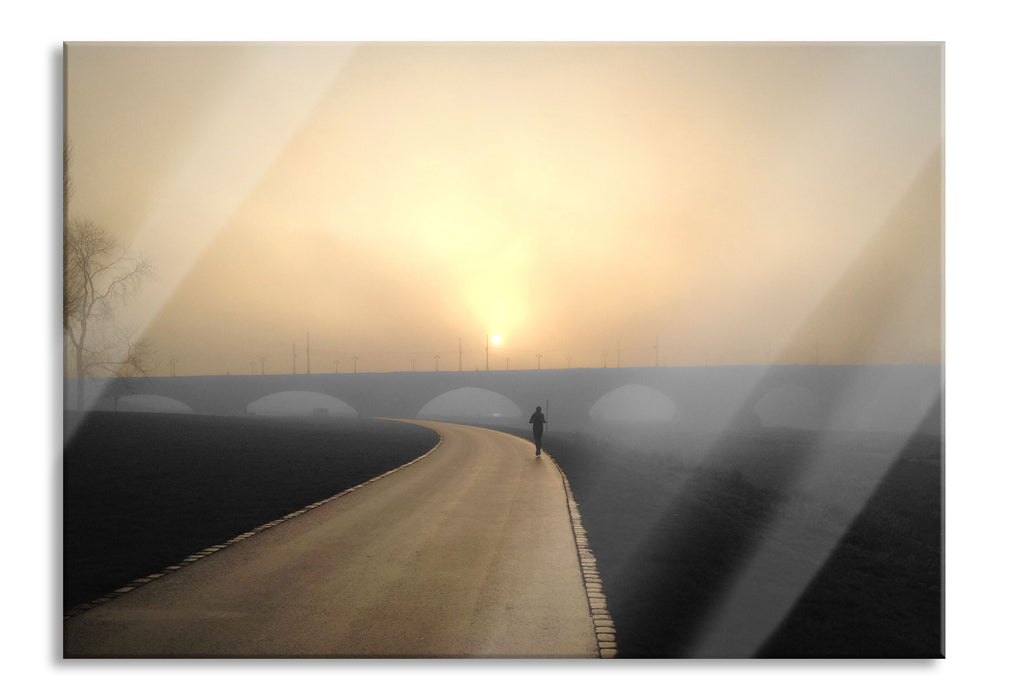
(385, 207)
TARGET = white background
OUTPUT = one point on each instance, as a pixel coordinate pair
(976, 228)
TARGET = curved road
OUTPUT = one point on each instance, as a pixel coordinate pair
(467, 552)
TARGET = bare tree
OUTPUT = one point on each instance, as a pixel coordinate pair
(68, 299)
(131, 370)
(98, 277)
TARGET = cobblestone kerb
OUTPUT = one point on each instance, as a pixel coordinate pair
(606, 633)
(137, 583)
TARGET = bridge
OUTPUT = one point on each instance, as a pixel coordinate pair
(876, 397)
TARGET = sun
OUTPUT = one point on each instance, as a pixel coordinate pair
(495, 339)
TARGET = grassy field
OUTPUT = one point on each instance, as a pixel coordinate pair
(143, 491)
(852, 522)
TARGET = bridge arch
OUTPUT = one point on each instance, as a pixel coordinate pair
(472, 404)
(150, 403)
(301, 403)
(708, 398)
(634, 404)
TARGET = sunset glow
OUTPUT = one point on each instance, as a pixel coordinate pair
(689, 204)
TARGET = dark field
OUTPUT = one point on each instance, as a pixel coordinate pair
(846, 529)
(673, 520)
(144, 491)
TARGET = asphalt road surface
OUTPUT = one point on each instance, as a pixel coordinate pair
(468, 552)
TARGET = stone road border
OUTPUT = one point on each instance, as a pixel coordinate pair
(137, 583)
(606, 633)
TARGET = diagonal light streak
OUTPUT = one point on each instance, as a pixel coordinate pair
(230, 156)
(240, 139)
(765, 587)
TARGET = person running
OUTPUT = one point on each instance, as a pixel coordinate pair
(538, 420)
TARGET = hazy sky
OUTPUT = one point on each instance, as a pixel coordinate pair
(733, 203)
